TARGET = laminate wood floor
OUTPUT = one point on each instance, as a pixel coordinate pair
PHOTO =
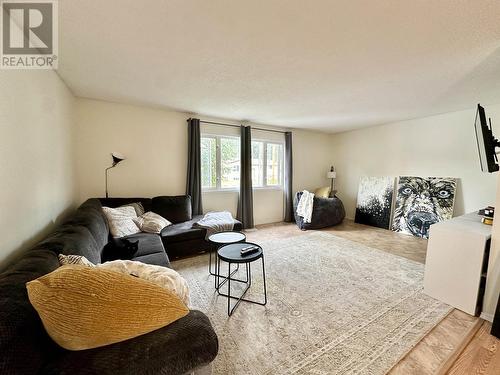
(480, 356)
(460, 344)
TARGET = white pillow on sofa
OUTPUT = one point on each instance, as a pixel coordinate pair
(164, 277)
(121, 221)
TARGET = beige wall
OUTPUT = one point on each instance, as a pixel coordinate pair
(441, 145)
(155, 144)
(36, 157)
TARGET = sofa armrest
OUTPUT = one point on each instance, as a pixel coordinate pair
(178, 348)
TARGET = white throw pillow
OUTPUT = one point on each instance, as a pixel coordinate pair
(138, 207)
(151, 222)
(165, 277)
(121, 221)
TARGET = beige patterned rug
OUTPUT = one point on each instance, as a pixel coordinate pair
(334, 307)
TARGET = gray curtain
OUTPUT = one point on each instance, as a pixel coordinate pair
(245, 202)
(289, 216)
(193, 184)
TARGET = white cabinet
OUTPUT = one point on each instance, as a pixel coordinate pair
(457, 262)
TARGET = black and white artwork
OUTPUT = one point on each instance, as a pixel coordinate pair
(421, 202)
(374, 204)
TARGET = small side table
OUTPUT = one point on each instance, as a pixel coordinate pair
(221, 239)
(231, 254)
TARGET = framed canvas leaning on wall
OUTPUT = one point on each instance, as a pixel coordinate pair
(374, 203)
(421, 202)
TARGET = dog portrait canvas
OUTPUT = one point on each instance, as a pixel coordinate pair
(374, 203)
(421, 202)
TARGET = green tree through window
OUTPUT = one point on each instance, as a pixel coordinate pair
(220, 163)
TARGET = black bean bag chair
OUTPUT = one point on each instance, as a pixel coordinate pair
(327, 212)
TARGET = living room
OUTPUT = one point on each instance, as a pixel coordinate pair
(207, 111)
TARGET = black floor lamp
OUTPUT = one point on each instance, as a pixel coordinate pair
(116, 159)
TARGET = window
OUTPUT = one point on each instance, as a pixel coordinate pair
(267, 164)
(257, 163)
(274, 165)
(220, 162)
(230, 162)
(208, 163)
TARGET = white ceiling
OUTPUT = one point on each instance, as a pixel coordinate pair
(322, 64)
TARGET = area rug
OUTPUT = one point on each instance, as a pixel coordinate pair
(334, 307)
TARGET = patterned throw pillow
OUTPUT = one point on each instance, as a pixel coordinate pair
(75, 259)
(151, 222)
(88, 307)
(121, 221)
(138, 207)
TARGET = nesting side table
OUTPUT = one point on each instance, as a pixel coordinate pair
(221, 239)
(231, 255)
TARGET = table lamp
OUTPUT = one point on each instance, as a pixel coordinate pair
(332, 175)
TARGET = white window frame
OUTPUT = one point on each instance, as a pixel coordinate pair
(281, 166)
(218, 163)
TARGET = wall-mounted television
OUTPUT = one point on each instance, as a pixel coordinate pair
(486, 142)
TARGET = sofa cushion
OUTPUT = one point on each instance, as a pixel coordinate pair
(175, 209)
(148, 243)
(90, 215)
(159, 259)
(183, 231)
(183, 240)
(73, 240)
(120, 248)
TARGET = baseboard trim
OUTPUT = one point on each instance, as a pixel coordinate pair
(488, 317)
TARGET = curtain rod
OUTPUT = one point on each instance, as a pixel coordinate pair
(237, 126)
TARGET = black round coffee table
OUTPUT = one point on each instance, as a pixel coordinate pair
(231, 254)
(220, 239)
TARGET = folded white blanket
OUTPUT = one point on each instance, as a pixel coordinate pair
(305, 206)
(215, 222)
